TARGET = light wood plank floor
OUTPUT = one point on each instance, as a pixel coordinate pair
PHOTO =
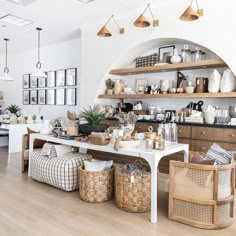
(31, 208)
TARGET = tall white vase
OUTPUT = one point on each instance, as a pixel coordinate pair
(214, 82)
(228, 82)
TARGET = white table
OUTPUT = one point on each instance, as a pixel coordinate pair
(152, 157)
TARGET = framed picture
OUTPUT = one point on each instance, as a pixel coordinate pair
(60, 78)
(26, 97)
(60, 97)
(71, 77)
(51, 98)
(33, 97)
(141, 85)
(33, 82)
(71, 96)
(51, 79)
(165, 52)
(26, 81)
(41, 96)
(41, 82)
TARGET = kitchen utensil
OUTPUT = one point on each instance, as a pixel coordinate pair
(196, 106)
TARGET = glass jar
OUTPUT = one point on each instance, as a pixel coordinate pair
(197, 54)
(203, 55)
(118, 87)
(191, 54)
(173, 133)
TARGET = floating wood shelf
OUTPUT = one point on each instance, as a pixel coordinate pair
(170, 95)
(212, 63)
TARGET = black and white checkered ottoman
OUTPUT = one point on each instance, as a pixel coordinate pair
(61, 172)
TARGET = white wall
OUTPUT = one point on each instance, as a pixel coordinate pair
(215, 30)
(58, 56)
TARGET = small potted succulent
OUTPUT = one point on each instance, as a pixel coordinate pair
(94, 116)
(72, 128)
(110, 86)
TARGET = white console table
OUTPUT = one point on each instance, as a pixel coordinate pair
(152, 157)
(15, 134)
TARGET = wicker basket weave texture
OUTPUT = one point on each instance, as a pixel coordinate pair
(96, 186)
(132, 197)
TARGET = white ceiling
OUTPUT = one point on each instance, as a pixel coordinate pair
(60, 19)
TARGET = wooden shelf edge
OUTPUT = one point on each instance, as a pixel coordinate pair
(169, 95)
(211, 63)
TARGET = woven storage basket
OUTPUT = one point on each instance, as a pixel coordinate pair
(97, 140)
(201, 195)
(96, 186)
(132, 197)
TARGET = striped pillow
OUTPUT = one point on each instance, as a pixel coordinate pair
(218, 154)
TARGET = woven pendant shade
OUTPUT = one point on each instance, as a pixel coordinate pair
(142, 22)
(189, 15)
(104, 32)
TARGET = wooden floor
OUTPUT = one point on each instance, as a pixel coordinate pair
(31, 208)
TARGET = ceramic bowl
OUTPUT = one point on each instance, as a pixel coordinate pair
(189, 89)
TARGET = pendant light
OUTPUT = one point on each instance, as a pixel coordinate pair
(190, 14)
(6, 76)
(143, 22)
(38, 73)
(104, 32)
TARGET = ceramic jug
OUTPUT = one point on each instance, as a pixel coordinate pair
(214, 82)
(175, 58)
(228, 82)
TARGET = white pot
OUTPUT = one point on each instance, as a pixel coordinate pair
(175, 58)
(228, 82)
(214, 82)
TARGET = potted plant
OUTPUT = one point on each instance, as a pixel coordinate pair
(13, 109)
(72, 128)
(110, 86)
(94, 115)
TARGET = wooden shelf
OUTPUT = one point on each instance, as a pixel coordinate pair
(212, 63)
(170, 95)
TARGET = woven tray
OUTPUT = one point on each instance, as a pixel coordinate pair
(96, 186)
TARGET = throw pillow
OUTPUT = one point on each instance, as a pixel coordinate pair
(198, 159)
(37, 142)
(220, 155)
(94, 165)
(52, 150)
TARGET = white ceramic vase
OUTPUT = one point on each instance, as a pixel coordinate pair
(176, 58)
(46, 127)
(228, 82)
(214, 82)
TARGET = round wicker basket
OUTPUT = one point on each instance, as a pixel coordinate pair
(96, 186)
(132, 197)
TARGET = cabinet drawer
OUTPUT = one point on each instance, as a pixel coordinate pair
(143, 127)
(184, 131)
(229, 135)
(205, 133)
(184, 140)
(203, 146)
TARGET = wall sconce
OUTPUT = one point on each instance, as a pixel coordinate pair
(143, 22)
(191, 15)
(104, 32)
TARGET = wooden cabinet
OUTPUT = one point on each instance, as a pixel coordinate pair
(184, 131)
(206, 133)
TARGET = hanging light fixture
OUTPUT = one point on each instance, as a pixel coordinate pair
(38, 73)
(6, 76)
(143, 22)
(190, 14)
(104, 32)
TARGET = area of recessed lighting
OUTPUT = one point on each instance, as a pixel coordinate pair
(15, 20)
(86, 1)
(21, 2)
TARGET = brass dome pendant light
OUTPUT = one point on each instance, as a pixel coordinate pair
(6, 75)
(143, 22)
(104, 32)
(38, 73)
(191, 15)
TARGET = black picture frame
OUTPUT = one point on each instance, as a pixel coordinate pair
(60, 96)
(51, 79)
(71, 96)
(33, 97)
(50, 97)
(33, 82)
(165, 52)
(26, 81)
(26, 97)
(41, 96)
(71, 77)
(42, 82)
(60, 78)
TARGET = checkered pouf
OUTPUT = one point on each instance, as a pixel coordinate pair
(61, 172)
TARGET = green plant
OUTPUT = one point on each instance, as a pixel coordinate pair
(13, 108)
(110, 84)
(93, 115)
